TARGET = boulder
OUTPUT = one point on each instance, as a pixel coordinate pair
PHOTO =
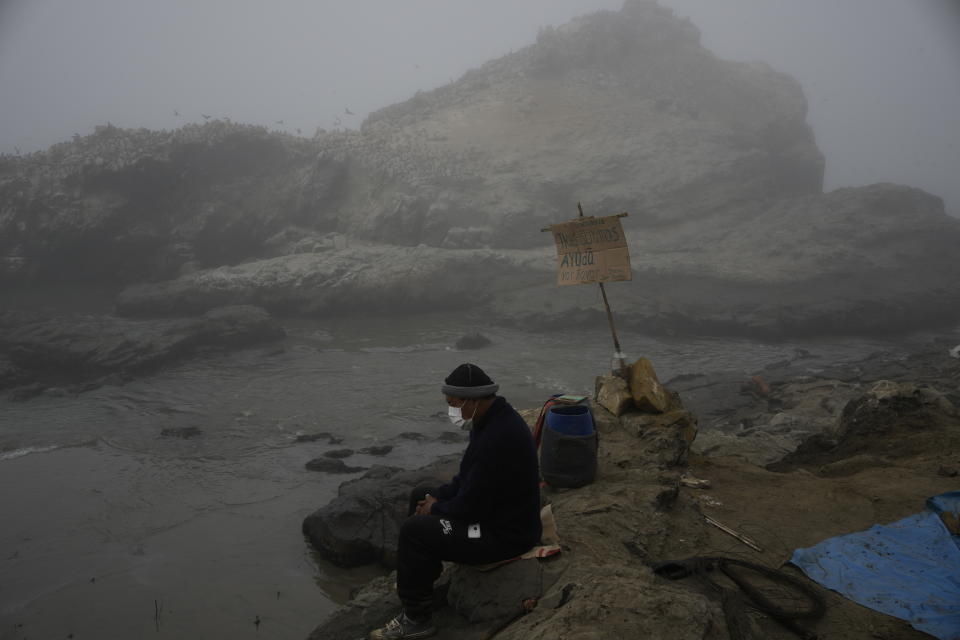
(664, 428)
(890, 406)
(608, 600)
(648, 394)
(370, 607)
(495, 594)
(613, 394)
(361, 525)
(890, 421)
(665, 438)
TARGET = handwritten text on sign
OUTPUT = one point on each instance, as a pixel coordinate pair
(591, 250)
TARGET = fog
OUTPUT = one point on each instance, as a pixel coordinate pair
(882, 77)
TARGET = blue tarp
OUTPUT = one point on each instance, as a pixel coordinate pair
(909, 569)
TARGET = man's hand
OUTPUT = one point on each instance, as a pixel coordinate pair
(423, 506)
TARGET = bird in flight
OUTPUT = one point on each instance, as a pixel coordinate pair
(347, 111)
(176, 113)
(205, 116)
(278, 122)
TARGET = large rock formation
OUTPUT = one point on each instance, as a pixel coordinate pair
(359, 278)
(623, 110)
(125, 205)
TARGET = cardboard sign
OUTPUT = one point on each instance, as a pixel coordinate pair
(591, 250)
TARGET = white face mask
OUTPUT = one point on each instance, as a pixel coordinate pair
(456, 417)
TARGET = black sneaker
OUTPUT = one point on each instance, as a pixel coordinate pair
(402, 627)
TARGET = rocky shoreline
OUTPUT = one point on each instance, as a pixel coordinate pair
(799, 458)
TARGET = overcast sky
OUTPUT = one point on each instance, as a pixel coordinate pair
(882, 76)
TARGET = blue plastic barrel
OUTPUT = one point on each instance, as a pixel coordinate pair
(571, 420)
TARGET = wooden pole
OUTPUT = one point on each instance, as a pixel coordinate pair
(613, 331)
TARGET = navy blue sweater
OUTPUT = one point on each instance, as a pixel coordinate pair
(498, 484)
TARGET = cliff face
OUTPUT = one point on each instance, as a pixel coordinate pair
(132, 204)
(622, 110)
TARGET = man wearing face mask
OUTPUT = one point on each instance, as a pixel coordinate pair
(490, 510)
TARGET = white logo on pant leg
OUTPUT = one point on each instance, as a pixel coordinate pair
(447, 527)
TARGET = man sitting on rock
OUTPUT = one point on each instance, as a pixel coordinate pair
(489, 512)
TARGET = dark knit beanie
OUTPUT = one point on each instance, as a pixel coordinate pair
(469, 381)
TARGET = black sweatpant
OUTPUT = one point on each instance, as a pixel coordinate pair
(426, 541)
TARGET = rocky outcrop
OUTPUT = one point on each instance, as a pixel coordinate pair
(623, 110)
(890, 421)
(361, 525)
(359, 278)
(843, 263)
(638, 512)
(481, 602)
(869, 260)
(124, 205)
(799, 410)
(81, 351)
